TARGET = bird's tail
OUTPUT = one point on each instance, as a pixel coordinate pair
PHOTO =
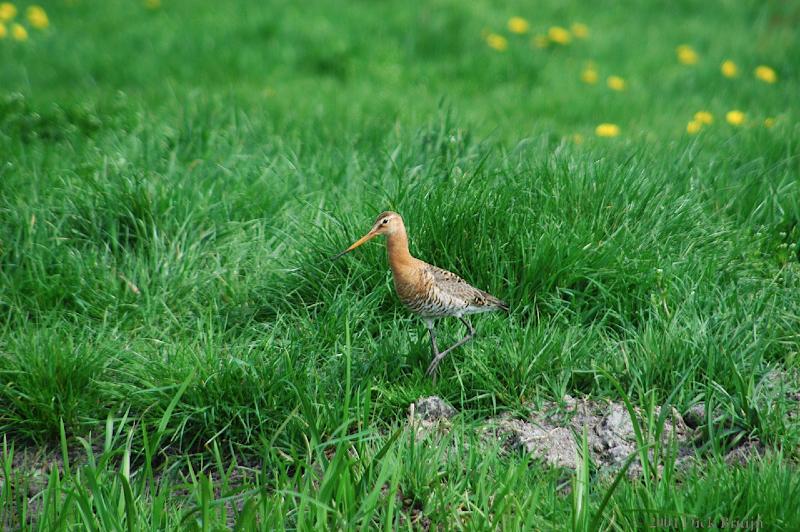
(501, 305)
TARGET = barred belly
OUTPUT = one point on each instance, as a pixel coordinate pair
(431, 304)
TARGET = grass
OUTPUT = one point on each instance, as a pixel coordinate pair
(174, 180)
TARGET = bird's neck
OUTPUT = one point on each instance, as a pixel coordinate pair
(397, 249)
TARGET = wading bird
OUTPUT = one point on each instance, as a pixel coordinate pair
(426, 290)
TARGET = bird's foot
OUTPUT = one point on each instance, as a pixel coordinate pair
(431, 371)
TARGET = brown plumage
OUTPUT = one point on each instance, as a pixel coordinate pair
(427, 290)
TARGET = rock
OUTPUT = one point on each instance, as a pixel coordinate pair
(431, 408)
(554, 445)
(695, 417)
(614, 431)
(430, 415)
(744, 453)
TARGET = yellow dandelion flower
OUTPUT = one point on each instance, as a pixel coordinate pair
(577, 138)
(152, 4)
(729, 69)
(19, 32)
(735, 117)
(769, 122)
(703, 117)
(559, 35)
(693, 127)
(3, 31)
(541, 41)
(686, 54)
(607, 130)
(589, 75)
(766, 74)
(579, 30)
(7, 11)
(37, 17)
(615, 83)
(497, 42)
(518, 25)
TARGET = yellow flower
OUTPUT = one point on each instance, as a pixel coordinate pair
(686, 54)
(37, 17)
(693, 126)
(3, 31)
(152, 4)
(19, 33)
(7, 11)
(616, 83)
(498, 42)
(607, 130)
(769, 122)
(729, 69)
(518, 25)
(559, 35)
(577, 138)
(703, 117)
(580, 31)
(589, 75)
(541, 41)
(766, 74)
(735, 117)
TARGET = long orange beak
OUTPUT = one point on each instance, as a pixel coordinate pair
(369, 236)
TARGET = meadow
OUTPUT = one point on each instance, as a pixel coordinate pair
(177, 351)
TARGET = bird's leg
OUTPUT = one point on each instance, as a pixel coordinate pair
(438, 357)
(471, 329)
(432, 331)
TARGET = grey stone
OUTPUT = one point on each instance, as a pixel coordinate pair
(695, 417)
(744, 453)
(433, 408)
(554, 445)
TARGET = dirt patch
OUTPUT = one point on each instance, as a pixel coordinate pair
(411, 509)
(31, 468)
(30, 472)
(554, 445)
(551, 432)
(745, 452)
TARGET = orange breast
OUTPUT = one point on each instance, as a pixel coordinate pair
(417, 293)
(408, 285)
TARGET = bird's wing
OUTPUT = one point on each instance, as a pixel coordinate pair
(453, 287)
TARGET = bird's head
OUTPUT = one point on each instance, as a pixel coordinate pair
(387, 223)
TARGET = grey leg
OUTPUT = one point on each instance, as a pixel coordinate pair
(430, 324)
(438, 357)
(471, 330)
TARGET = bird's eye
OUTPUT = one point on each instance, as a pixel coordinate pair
(385, 221)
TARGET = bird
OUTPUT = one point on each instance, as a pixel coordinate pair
(427, 290)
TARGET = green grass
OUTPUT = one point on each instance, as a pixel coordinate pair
(174, 180)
